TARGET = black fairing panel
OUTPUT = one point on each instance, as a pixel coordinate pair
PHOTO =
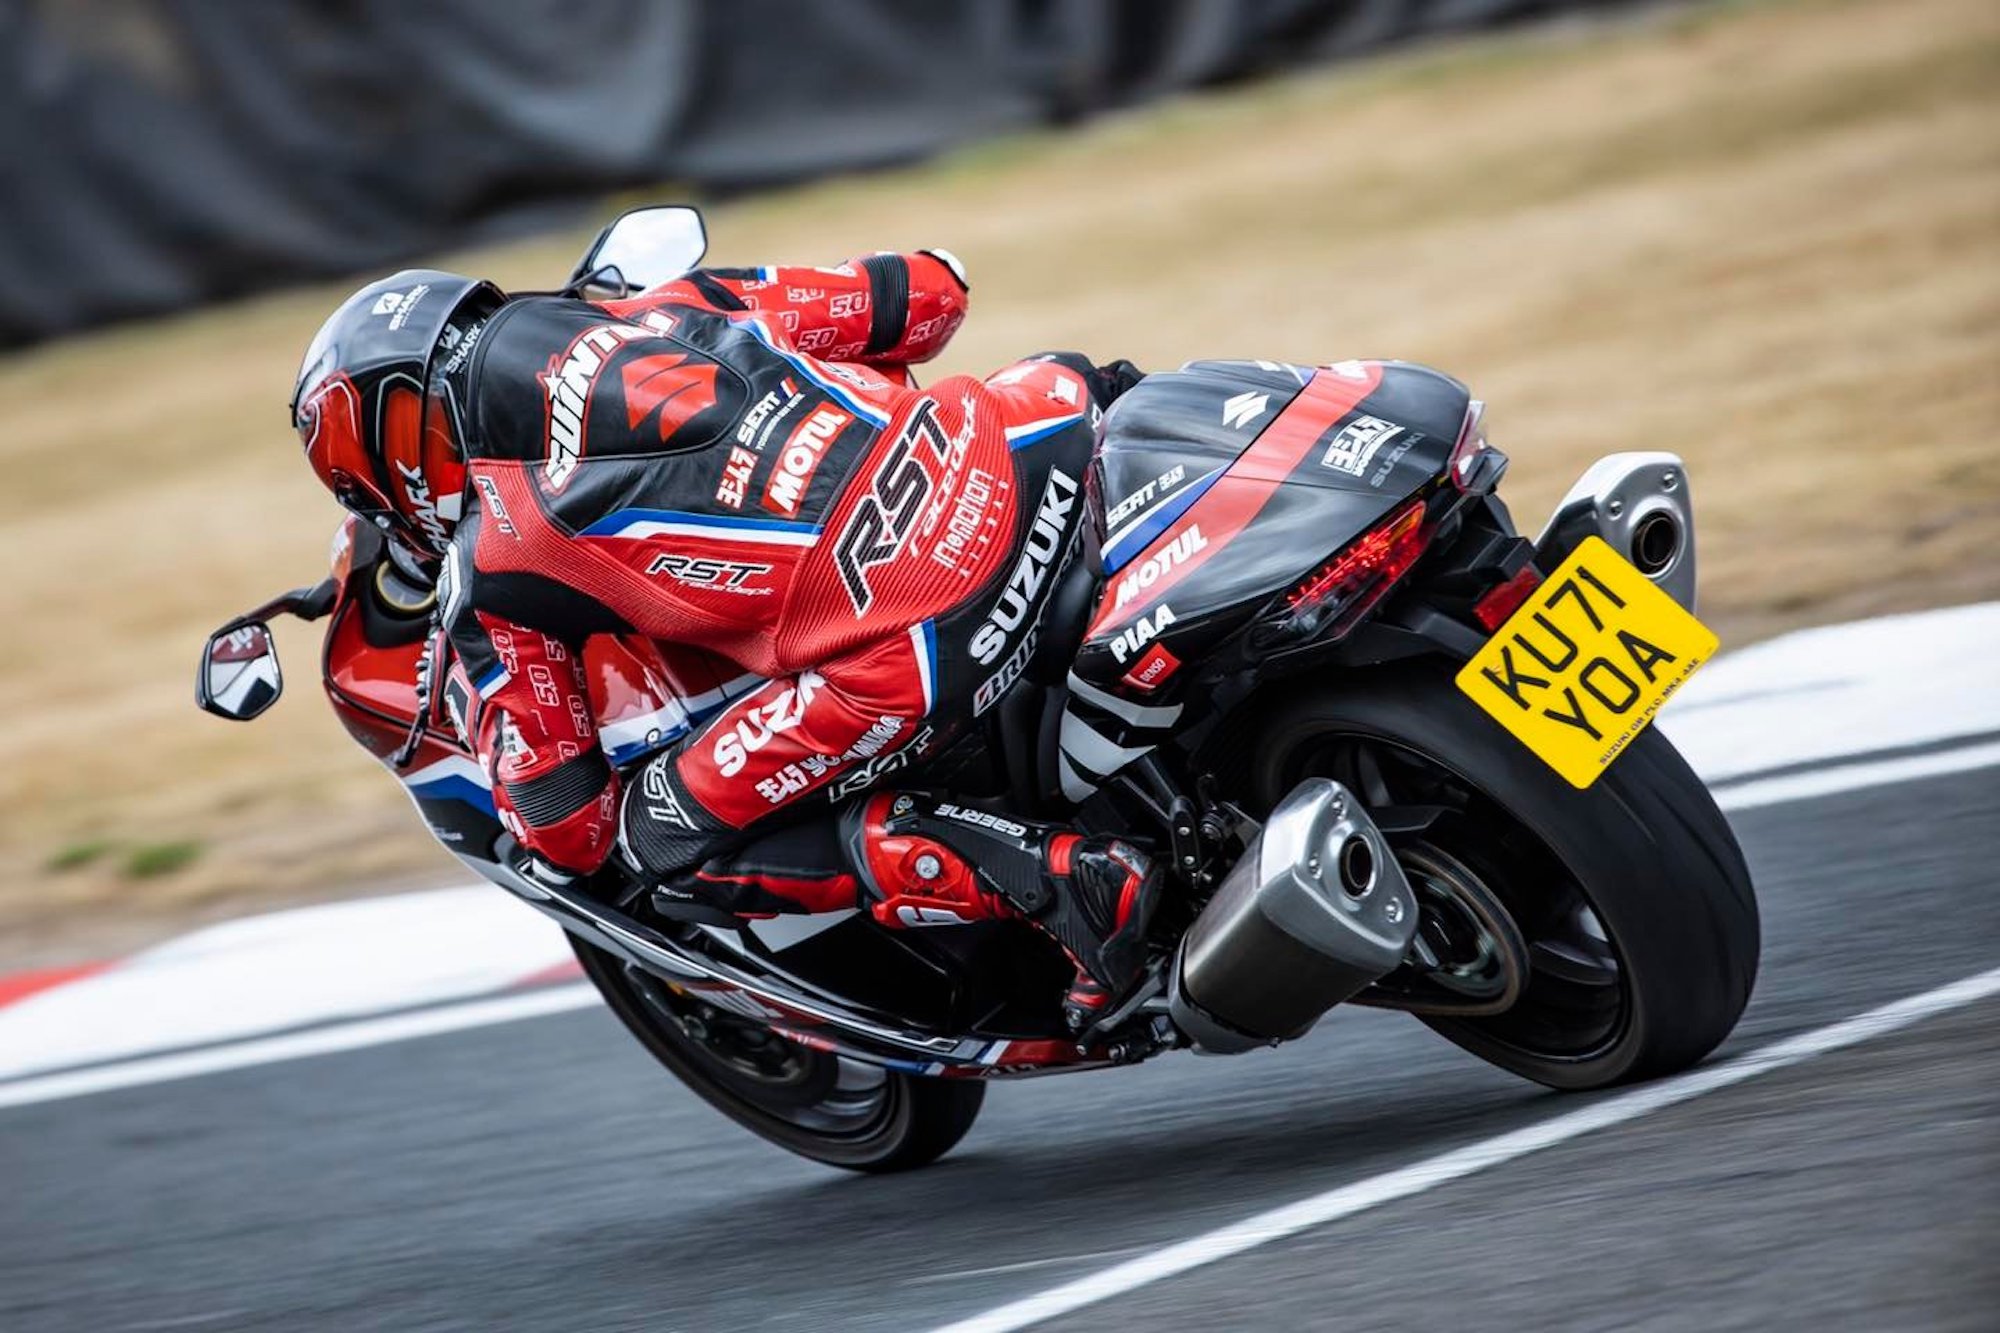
(1356, 468)
(1171, 434)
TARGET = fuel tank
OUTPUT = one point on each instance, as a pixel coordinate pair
(1222, 484)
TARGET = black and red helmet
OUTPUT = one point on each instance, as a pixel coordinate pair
(373, 408)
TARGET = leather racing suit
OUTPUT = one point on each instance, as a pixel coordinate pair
(739, 460)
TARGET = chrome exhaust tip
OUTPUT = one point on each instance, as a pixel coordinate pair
(1640, 505)
(1357, 867)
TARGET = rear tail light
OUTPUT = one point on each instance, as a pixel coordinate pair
(1471, 446)
(1341, 591)
(1505, 599)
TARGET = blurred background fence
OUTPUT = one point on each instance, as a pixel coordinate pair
(161, 153)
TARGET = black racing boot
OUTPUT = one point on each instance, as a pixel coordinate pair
(925, 862)
(1105, 893)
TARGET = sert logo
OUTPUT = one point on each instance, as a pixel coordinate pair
(799, 459)
(1245, 408)
(1150, 570)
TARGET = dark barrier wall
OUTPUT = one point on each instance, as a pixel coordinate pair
(159, 153)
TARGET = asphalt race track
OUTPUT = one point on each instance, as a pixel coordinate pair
(544, 1174)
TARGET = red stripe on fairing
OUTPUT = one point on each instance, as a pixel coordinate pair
(20, 985)
(1241, 493)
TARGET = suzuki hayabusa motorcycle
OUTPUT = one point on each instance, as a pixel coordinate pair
(1410, 767)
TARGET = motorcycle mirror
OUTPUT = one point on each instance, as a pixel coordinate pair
(641, 248)
(239, 676)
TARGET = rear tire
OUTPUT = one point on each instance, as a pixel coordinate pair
(906, 1121)
(1645, 846)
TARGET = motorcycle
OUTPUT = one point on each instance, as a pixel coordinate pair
(1403, 759)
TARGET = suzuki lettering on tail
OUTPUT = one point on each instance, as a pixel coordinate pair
(1245, 408)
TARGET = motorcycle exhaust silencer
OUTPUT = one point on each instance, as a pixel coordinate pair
(1316, 909)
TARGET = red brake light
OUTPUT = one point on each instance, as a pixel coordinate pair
(1505, 599)
(1345, 587)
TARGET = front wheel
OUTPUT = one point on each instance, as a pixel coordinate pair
(1579, 938)
(814, 1103)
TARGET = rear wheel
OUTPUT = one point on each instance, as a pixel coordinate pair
(1577, 938)
(817, 1104)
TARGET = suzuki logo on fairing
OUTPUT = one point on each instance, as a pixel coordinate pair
(1245, 408)
(1150, 570)
(1140, 633)
(1024, 586)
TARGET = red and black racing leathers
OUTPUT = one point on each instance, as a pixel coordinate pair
(737, 460)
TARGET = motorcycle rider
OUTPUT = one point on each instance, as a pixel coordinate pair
(737, 459)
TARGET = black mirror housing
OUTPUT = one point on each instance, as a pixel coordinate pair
(239, 675)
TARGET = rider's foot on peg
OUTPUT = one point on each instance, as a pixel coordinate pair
(925, 862)
(1105, 893)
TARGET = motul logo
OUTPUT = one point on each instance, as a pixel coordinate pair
(1150, 570)
(799, 459)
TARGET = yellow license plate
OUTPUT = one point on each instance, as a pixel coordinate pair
(1586, 662)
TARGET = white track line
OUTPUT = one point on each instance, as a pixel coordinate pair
(455, 1017)
(294, 1045)
(1347, 1200)
(1849, 777)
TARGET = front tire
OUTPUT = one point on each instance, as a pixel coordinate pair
(1632, 896)
(813, 1103)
